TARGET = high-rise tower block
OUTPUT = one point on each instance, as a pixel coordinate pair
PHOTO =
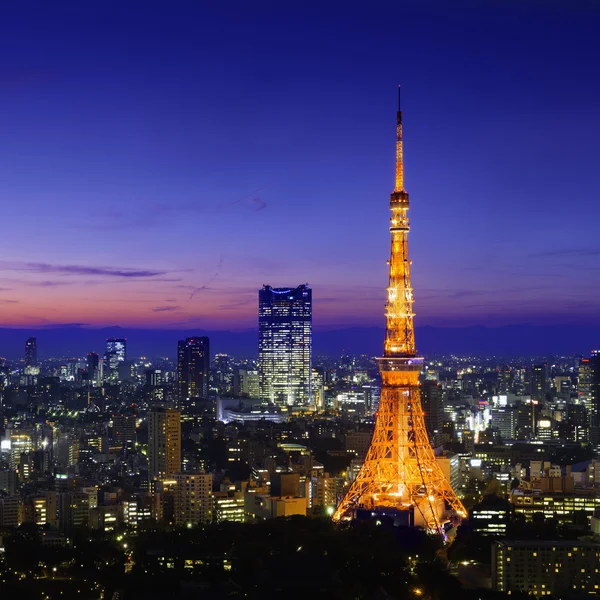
(400, 472)
(285, 345)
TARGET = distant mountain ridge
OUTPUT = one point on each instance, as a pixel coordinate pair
(509, 340)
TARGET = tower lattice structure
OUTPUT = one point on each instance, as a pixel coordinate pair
(400, 471)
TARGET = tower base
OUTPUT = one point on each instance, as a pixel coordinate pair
(400, 471)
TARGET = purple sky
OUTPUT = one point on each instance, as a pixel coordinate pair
(160, 161)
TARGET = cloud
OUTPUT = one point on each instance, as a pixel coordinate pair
(9, 302)
(155, 214)
(79, 270)
(574, 252)
(61, 325)
(126, 222)
(132, 279)
(50, 283)
(165, 308)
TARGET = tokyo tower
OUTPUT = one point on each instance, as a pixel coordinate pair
(400, 472)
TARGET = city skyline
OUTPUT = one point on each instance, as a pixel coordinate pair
(212, 381)
(154, 173)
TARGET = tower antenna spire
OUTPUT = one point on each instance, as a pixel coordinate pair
(399, 157)
(400, 472)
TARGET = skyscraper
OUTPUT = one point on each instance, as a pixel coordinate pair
(164, 443)
(31, 352)
(432, 400)
(591, 371)
(538, 381)
(116, 352)
(193, 368)
(285, 344)
(93, 363)
(584, 385)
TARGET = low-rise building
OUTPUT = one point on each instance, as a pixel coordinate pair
(229, 506)
(567, 569)
(491, 516)
(559, 505)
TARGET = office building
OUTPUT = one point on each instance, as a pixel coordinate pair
(588, 391)
(433, 411)
(193, 368)
(538, 382)
(164, 443)
(74, 509)
(20, 444)
(93, 365)
(526, 419)
(285, 345)
(8, 481)
(595, 398)
(504, 419)
(223, 375)
(31, 352)
(285, 484)
(229, 506)
(449, 465)
(246, 384)
(318, 389)
(157, 384)
(575, 428)
(564, 506)
(126, 371)
(260, 505)
(358, 442)
(563, 569)
(193, 499)
(351, 402)
(9, 511)
(155, 377)
(116, 353)
(124, 430)
(584, 384)
(491, 516)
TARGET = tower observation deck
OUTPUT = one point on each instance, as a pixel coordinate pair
(400, 472)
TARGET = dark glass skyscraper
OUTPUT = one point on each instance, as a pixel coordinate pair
(116, 352)
(433, 411)
(285, 344)
(589, 393)
(31, 352)
(538, 382)
(193, 368)
(93, 363)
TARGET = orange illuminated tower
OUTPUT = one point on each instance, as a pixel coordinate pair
(400, 472)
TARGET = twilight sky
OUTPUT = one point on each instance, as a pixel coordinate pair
(160, 161)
